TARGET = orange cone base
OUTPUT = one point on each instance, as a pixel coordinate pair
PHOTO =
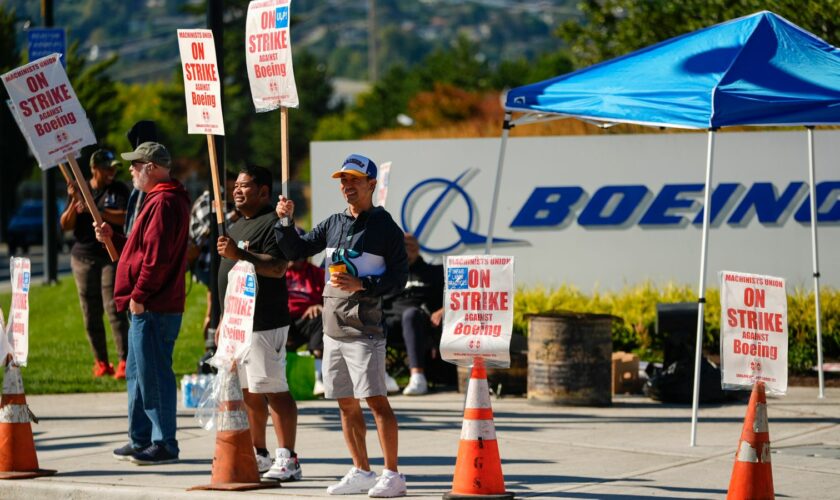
(454, 496)
(17, 452)
(27, 474)
(478, 471)
(234, 464)
(237, 486)
(751, 482)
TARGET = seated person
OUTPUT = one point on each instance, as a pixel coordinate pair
(416, 313)
(305, 285)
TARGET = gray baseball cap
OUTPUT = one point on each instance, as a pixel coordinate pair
(149, 151)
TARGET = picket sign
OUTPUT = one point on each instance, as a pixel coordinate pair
(52, 119)
(203, 94)
(753, 332)
(268, 57)
(383, 178)
(237, 324)
(478, 310)
(16, 335)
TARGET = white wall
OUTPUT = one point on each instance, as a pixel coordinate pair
(605, 257)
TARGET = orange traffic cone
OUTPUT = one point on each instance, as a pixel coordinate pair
(752, 475)
(234, 463)
(478, 469)
(17, 446)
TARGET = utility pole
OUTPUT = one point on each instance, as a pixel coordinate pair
(215, 23)
(48, 190)
(373, 70)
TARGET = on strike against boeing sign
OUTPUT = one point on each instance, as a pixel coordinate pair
(202, 88)
(268, 55)
(753, 331)
(48, 111)
(478, 312)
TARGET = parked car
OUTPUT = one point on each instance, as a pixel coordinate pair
(26, 226)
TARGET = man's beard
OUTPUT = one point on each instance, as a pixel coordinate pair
(141, 180)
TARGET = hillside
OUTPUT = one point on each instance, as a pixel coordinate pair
(142, 32)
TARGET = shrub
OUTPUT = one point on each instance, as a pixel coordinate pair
(635, 309)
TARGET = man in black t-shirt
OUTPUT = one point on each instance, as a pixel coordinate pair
(262, 373)
(92, 267)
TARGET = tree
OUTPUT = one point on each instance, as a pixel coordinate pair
(615, 27)
(17, 165)
(96, 91)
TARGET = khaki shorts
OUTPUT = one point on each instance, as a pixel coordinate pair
(354, 367)
(264, 368)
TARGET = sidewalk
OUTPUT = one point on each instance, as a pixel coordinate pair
(635, 449)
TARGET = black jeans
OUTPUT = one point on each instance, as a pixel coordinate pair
(307, 331)
(95, 282)
(415, 326)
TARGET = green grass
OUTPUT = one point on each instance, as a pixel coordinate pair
(60, 358)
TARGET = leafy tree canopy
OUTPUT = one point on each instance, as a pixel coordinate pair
(611, 28)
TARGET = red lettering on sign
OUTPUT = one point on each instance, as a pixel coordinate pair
(754, 320)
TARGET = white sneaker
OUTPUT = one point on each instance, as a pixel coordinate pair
(390, 484)
(391, 384)
(318, 390)
(417, 385)
(264, 463)
(285, 467)
(354, 482)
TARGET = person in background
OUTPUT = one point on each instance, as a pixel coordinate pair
(150, 284)
(367, 261)
(262, 374)
(198, 252)
(416, 312)
(305, 283)
(92, 268)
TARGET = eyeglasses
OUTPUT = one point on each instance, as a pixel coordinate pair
(136, 164)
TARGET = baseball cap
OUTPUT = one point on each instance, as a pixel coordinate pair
(116, 164)
(101, 158)
(357, 165)
(149, 151)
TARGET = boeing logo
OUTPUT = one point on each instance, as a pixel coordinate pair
(436, 198)
(447, 210)
(676, 205)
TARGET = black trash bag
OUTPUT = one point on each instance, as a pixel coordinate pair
(675, 384)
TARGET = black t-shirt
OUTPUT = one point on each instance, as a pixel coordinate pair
(115, 197)
(257, 236)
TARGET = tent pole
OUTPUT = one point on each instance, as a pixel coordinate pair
(506, 126)
(815, 258)
(701, 289)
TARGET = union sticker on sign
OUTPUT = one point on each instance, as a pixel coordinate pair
(268, 55)
(753, 331)
(202, 88)
(478, 310)
(48, 112)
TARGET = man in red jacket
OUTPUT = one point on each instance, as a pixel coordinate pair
(150, 284)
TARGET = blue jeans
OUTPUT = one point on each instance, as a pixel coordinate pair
(152, 392)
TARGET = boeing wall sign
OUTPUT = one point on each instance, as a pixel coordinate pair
(608, 211)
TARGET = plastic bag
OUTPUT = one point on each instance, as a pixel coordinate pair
(205, 413)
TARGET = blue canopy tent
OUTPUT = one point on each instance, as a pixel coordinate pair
(759, 70)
